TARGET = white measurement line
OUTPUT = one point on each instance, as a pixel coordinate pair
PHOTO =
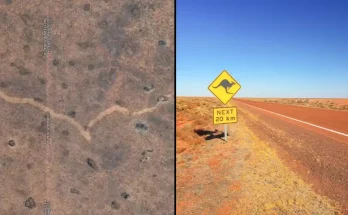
(317, 126)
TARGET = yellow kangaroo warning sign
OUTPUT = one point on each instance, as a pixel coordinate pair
(225, 115)
(224, 87)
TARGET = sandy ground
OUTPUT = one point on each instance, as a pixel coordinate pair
(249, 174)
(87, 107)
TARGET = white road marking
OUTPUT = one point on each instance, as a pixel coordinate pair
(299, 120)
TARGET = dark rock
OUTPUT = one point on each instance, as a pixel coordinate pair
(29, 203)
(141, 127)
(162, 43)
(162, 98)
(42, 81)
(115, 205)
(38, 99)
(149, 88)
(55, 62)
(72, 114)
(125, 195)
(75, 191)
(118, 102)
(11, 143)
(91, 163)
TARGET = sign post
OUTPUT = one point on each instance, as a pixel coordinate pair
(224, 87)
(226, 132)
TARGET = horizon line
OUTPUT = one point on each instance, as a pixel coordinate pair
(269, 97)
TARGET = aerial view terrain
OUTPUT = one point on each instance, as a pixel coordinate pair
(87, 107)
(262, 108)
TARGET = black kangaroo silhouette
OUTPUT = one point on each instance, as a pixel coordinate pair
(225, 84)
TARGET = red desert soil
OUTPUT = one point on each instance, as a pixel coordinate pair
(250, 174)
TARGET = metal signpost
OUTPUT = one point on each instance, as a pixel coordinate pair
(224, 87)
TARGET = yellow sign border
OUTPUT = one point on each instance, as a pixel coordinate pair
(225, 123)
(216, 79)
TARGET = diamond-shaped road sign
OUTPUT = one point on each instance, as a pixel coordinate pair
(224, 87)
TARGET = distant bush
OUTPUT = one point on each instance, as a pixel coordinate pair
(343, 107)
(181, 107)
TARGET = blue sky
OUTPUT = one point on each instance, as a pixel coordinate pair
(272, 48)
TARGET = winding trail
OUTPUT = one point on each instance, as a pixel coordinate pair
(83, 131)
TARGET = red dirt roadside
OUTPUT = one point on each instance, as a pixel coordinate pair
(320, 157)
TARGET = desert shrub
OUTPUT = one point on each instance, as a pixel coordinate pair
(201, 111)
(181, 107)
(343, 107)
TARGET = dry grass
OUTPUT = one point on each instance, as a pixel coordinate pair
(332, 104)
(192, 113)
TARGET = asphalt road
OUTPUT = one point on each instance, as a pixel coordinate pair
(312, 142)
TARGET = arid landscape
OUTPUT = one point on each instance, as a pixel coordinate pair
(328, 103)
(269, 165)
(87, 107)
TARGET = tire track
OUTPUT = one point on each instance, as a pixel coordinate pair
(83, 131)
